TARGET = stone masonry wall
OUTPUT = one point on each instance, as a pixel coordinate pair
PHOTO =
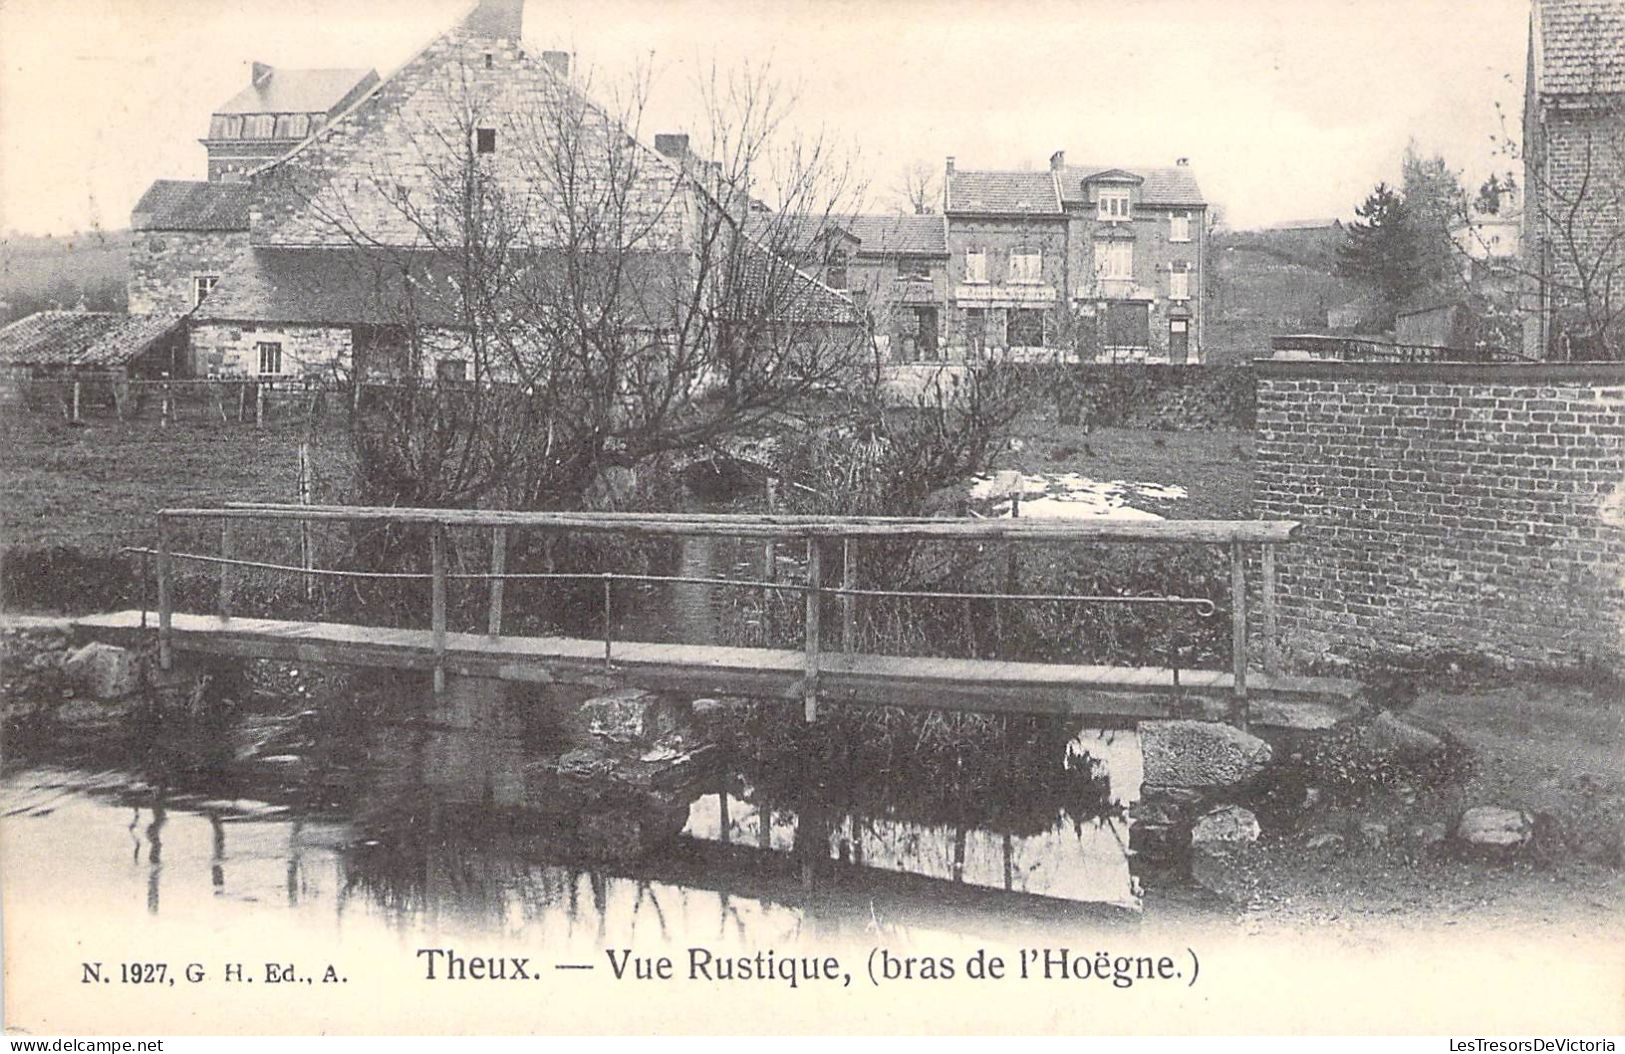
(1464, 507)
(163, 265)
(315, 352)
(385, 171)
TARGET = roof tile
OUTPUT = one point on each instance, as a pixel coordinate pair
(1581, 46)
(81, 338)
(192, 205)
(1021, 193)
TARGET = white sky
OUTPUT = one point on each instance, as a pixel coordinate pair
(1288, 109)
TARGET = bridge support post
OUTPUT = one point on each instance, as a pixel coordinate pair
(499, 567)
(1238, 630)
(849, 581)
(437, 603)
(809, 684)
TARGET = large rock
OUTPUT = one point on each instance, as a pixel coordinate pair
(1495, 828)
(629, 715)
(1227, 827)
(1199, 754)
(103, 671)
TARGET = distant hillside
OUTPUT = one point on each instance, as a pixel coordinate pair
(42, 272)
(1270, 282)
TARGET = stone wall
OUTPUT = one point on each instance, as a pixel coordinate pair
(163, 265)
(316, 352)
(1461, 507)
(384, 171)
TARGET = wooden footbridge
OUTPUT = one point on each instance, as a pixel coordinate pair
(826, 668)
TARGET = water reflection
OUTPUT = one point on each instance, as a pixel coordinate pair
(418, 828)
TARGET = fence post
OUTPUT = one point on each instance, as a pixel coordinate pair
(770, 565)
(166, 595)
(437, 603)
(499, 566)
(307, 555)
(76, 384)
(809, 684)
(228, 573)
(259, 405)
(1272, 639)
(849, 581)
(1238, 629)
(166, 407)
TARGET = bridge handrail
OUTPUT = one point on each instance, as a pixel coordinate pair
(743, 525)
(1236, 535)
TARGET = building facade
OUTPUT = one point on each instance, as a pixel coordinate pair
(1574, 180)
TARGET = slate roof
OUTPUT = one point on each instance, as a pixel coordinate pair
(1015, 193)
(334, 286)
(1579, 46)
(900, 235)
(82, 338)
(299, 91)
(875, 233)
(192, 205)
(1175, 185)
(383, 287)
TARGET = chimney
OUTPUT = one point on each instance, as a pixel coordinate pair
(672, 144)
(1183, 162)
(1057, 161)
(501, 19)
(558, 62)
(950, 165)
(261, 74)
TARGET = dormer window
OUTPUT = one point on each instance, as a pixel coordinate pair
(1113, 204)
(485, 140)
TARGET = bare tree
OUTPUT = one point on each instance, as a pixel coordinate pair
(598, 305)
(920, 189)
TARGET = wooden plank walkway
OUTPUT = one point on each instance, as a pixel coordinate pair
(1103, 692)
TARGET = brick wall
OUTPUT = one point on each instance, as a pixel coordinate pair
(1479, 508)
(164, 263)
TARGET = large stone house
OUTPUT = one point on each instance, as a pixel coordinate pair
(348, 252)
(1573, 238)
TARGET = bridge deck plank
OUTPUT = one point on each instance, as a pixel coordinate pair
(1105, 692)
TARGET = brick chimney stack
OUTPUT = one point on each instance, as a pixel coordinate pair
(1057, 161)
(950, 169)
(261, 73)
(502, 19)
(1183, 162)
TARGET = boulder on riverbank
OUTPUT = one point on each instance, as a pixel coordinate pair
(1495, 829)
(1200, 755)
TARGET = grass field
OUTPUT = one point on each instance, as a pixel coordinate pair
(96, 486)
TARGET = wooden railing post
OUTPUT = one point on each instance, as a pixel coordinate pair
(1272, 638)
(849, 581)
(166, 596)
(809, 684)
(499, 567)
(437, 603)
(228, 573)
(1238, 629)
